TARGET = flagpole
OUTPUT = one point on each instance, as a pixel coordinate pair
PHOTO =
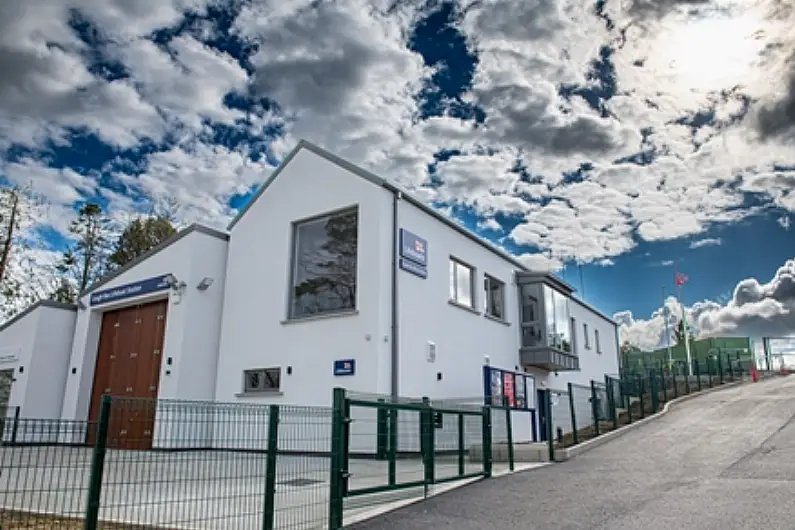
(684, 328)
(667, 330)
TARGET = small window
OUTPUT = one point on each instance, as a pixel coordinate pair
(573, 327)
(262, 380)
(585, 334)
(596, 339)
(462, 290)
(494, 297)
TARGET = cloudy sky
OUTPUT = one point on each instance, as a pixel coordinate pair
(631, 137)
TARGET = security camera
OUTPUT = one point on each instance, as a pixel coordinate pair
(171, 281)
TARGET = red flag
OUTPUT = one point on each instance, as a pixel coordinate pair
(680, 279)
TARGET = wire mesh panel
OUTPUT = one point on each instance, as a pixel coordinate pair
(302, 468)
(561, 424)
(44, 474)
(582, 405)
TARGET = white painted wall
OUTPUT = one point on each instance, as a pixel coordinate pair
(254, 331)
(38, 345)
(192, 323)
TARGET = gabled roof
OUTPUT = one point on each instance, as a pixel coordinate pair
(154, 250)
(41, 303)
(378, 181)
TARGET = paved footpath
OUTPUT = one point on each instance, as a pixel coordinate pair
(722, 461)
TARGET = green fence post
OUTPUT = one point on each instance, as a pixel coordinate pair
(509, 433)
(720, 370)
(269, 511)
(573, 413)
(697, 371)
(15, 426)
(98, 465)
(338, 420)
(653, 392)
(675, 385)
(594, 408)
(382, 431)
(461, 446)
(664, 386)
(687, 383)
(486, 442)
(548, 426)
(393, 446)
(709, 370)
(641, 392)
(427, 436)
(628, 397)
(613, 404)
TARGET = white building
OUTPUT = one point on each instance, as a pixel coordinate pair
(331, 276)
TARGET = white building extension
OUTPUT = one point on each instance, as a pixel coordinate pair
(330, 277)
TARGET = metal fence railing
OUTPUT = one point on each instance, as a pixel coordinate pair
(204, 465)
(602, 406)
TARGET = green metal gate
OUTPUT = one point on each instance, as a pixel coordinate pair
(382, 444)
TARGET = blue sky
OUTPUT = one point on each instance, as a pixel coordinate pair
(607, 141)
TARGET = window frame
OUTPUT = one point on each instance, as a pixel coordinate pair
(264, 373)
(295, 226)
(488, 279)
(456, 262)
(585, 333)
(574, 341)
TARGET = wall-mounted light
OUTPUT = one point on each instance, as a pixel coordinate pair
(177, 287)
(204, 284)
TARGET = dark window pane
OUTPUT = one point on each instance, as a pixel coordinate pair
(325, 265)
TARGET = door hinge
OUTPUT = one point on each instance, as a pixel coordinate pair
(156, 352)
(152, 388)
(117, 324)
(133, 354)
(129, 389)
(161, 317)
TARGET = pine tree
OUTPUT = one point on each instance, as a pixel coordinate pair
(139, 236)
(85, 261)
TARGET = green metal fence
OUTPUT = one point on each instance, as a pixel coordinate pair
(603, 406)
(149, 464)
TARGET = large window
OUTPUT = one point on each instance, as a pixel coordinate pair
(494, 297)
(462, 285)
(261, 380)
(324, 265)
(558, 322)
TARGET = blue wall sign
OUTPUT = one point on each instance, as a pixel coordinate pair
(114, 294)
(413, 254)
(413, 247)
(345, 367)
(413, 268)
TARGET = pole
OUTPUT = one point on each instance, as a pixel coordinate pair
(684, 330)
(667, 331)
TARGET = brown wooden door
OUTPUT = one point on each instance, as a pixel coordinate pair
(128, 366)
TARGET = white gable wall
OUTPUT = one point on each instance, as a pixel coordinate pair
(38, 342)
(193, 320)
(255, 333)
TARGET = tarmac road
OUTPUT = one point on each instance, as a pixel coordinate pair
(722, 461)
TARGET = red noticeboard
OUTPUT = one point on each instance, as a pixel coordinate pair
(509, 392)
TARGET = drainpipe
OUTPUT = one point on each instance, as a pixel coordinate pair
(397, 195)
